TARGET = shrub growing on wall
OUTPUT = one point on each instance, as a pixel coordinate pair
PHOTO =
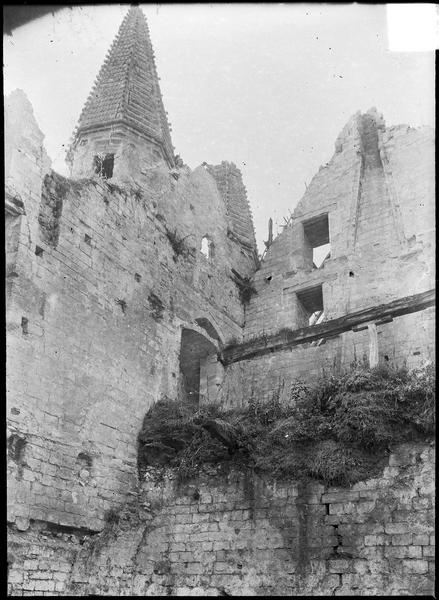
(338, 431)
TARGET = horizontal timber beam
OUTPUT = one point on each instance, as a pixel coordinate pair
(287, 338)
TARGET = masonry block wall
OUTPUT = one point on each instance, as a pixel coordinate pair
(230, 533)
(388, 204)
(101, 282)
(406, 341)
(373, 202)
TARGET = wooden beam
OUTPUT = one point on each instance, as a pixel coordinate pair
(287, 338)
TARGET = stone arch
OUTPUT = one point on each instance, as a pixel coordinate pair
(210, 329)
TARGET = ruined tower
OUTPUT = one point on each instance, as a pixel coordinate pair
(123, 126)
(112, 302)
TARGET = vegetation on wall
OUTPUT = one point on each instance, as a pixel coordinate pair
(177, 243)
(156, 306)
(338, 431)
(245, 287)
(54, 191)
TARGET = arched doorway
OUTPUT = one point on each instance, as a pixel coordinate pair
(198, 365)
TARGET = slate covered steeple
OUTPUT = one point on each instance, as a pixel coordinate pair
(124, 114)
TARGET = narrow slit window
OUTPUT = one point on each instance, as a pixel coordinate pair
(24, 325)
(316, 232)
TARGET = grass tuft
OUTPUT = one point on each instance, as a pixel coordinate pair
(338, 431)
(177, 243)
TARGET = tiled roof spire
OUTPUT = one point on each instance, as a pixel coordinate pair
(127, 89)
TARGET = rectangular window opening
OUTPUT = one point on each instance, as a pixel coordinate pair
(316, 232)
(310, 305)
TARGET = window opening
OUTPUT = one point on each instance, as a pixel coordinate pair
(207, 248)
(24, 325)
(104, 165)
(310, 305)
(316, 232)
(194, 349)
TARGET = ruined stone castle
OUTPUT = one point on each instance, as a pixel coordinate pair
(138, 278)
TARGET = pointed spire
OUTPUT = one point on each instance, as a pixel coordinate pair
(126, 91)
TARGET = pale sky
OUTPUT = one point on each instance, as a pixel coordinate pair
(266, 86)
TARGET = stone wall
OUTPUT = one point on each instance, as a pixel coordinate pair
(104, 277)
(381, 230)
(408, 341)
(230, 533)
(102, 280)
(377, 192)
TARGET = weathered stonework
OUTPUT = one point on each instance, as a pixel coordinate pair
(237, 534)
(376, 258)
(124, 113)
(113, 302)
(83, 304)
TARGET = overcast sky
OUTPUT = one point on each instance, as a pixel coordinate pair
(266, 86)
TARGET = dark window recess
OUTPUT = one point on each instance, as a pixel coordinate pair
(122, 304)
(85, 458)
(24, 325)
(104, 166)
(38, 251)
(16, 448)
(310, 304)
(87, 239)
(137, 277)
(316, 232)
